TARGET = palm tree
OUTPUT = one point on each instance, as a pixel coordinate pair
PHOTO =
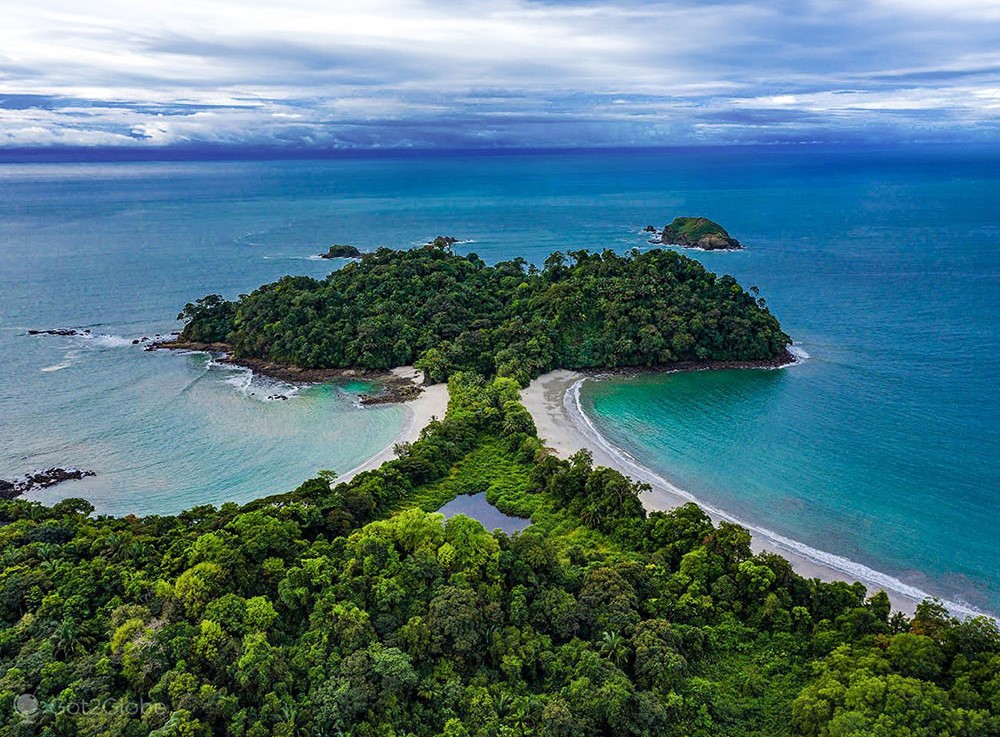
(47, 551)
(113, 544)
(614, 647)
(136, 551)
(591, 516)
(68, 639)
(503, 703)
(290, 715)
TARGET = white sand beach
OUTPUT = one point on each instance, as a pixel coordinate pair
(565, 430)
(431, 402)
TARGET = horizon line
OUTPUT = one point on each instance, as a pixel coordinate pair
(241, 152)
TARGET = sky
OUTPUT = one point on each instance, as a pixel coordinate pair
(327, 74)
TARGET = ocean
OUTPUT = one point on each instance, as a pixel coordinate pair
(882, 446)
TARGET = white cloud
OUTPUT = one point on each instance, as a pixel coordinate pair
(949, 10)
(328, 73)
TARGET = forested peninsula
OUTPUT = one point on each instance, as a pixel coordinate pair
(352, 609)
(445, 313)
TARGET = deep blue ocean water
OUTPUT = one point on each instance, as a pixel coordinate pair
(882, 447)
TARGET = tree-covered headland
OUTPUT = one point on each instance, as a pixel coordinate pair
(448, 313)
(352, 609)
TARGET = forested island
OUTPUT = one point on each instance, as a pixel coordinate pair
(351, 609)
(698, 233)
(341, 251)
(445, 313)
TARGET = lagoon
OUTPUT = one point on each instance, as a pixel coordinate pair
(478, 508)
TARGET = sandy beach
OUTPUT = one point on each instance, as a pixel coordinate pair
(565, 430)
(431, 402)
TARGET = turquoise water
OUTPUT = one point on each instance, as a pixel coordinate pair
(883, 446)
(118, 250)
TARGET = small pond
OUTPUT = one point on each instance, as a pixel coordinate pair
(476, 507)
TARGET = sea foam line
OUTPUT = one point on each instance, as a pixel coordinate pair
(69, 359)
(104, 340)
(253, 385)
(798, 352)
(868, 576)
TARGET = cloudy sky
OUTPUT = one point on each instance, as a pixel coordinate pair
(391, 73)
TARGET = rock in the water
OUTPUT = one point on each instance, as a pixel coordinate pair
(339, 251)
(443, 241)
(40, 479)
(649, 229)
(66, 332)
(698, 233)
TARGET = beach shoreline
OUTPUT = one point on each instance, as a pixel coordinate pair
(431, 402)
(551, 399)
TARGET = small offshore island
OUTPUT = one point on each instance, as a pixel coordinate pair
(341, 251)
(348, 606)
(697, 232)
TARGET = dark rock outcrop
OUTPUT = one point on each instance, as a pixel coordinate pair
(41, 480)
(66, 332)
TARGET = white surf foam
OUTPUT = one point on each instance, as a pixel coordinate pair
(314, 257)
(459, 242)
(684, 249)
(69, 358)
(798, 352)
(252, 385)
(103, 340)
(872, 578)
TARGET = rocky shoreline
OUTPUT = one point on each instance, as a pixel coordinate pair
(86, 333)
(395, 388)
(41, 480)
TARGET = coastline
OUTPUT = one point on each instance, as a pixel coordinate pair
(402, 385)
(553, 401)
(787, 358)
(398, 385)
(431, 402)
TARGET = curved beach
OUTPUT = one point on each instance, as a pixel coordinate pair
(430, 403)
(553, 401)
